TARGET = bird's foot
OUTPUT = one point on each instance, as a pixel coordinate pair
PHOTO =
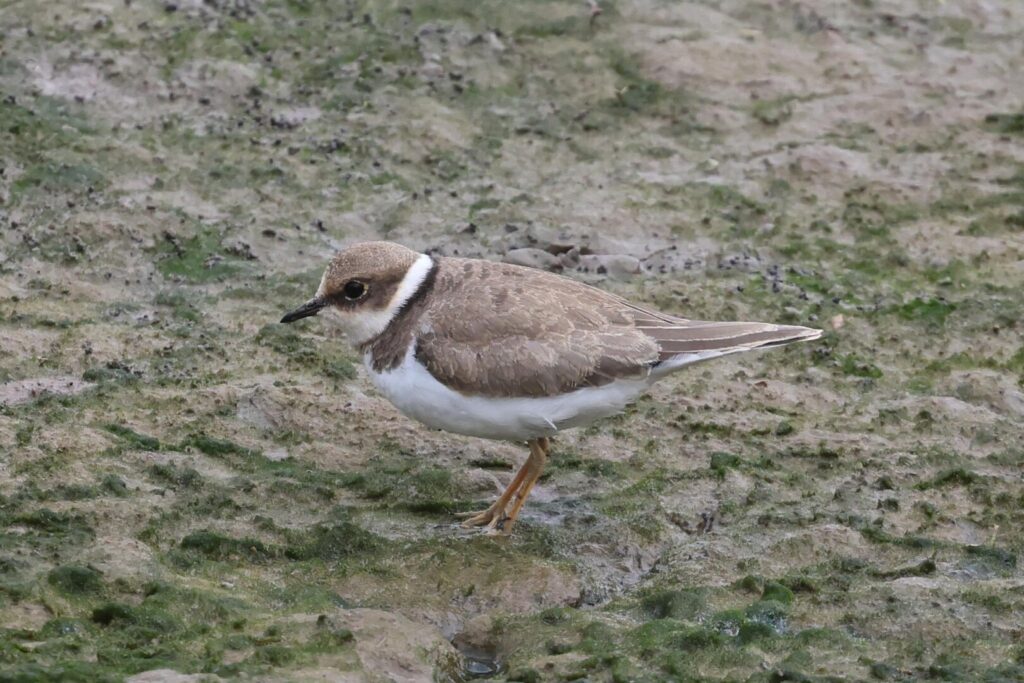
(499, 519)
(493, 518)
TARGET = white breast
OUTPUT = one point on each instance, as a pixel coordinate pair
(416, 393)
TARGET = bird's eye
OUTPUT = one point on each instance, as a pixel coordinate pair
(354, 289)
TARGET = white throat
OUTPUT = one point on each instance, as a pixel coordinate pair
(362, 326)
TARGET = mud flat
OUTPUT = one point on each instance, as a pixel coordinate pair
(190, 491)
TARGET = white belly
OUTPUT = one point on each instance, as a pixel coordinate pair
(416, 393)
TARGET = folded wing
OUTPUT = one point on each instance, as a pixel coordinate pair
(555, 335)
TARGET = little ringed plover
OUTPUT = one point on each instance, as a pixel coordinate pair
(500, 351)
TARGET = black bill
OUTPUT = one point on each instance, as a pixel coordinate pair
(311, 307)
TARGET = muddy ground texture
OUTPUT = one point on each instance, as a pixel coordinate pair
(189, 486)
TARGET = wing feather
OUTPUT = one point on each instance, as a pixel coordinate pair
(700, 336)
(553, 335)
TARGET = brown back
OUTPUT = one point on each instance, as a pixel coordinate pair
(499, 330)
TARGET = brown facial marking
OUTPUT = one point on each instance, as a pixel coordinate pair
(388, 349)
(377, 293)
(375, 268)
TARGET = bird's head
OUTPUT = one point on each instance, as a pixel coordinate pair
(365, 285)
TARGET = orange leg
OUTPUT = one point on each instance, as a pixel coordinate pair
(544, 447)
(497, 515)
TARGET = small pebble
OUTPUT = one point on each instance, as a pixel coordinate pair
(532, 258)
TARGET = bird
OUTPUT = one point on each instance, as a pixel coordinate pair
(506, 352)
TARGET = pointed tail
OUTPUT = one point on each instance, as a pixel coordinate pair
(692, 341)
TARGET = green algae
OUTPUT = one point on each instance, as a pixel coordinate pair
(859, 367)
(331, 361)
(777, 592)
(169, 468)
(132, 438)
(44, 521)
(406, 484)
(957, 476)
(675, 604)
(75, 580)
(1006, 123)
(175, 476)
(216, 447)
(333, 541)
(214, 546)
(929, 311)
(196, 257)
(773, 112)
